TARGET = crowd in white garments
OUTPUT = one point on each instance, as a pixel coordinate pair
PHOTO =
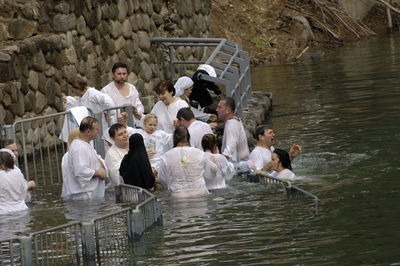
(173, 146)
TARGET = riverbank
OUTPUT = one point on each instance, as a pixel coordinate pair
(292, 31)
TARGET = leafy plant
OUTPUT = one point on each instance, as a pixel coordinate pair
(263, 42)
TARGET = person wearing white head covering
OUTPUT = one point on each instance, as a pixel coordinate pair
(183, 89)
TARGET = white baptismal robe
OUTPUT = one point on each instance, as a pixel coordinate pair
(181, 170)
(113, 160)
(197, 130)
(234, 141)
(215, 174)
(80, 165)
(160, 142)
(133, 98)
(286, 174)
(261, 156)
(167, 114)
(13, 189)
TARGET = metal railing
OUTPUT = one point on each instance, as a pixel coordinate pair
(230, 61)
(105, 241)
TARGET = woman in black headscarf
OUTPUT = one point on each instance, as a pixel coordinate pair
(135, 168)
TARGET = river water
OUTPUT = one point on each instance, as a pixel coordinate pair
(344, 111)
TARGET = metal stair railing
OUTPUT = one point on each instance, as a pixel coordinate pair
(230, 61)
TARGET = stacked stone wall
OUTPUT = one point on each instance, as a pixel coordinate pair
(43, 43)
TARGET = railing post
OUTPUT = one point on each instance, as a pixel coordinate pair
(118, 194)
(89, 257)
(136, 224)
(26, 251)
(159, 219)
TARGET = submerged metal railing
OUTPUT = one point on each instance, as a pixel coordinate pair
(106, 240)
(231, 64)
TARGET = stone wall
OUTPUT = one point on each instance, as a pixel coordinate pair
(43, 43)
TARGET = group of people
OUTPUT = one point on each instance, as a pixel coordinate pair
(173, 145)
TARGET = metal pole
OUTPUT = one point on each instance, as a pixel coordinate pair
(26, 250)
(89, 257)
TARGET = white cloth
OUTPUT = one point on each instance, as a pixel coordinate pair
(167, 114)
(181, 170)
(113, 160)
(78, 167)
(286, 174)
(78, 113)
(261, 156)
(182, 84)
(133, 98)
(209, 69)
(216, 173)
(197, 130)
(234, 141)
(159, 142)
(13, 190)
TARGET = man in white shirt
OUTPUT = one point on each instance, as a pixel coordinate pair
(262, 152)
(197, 129)
(85, 177)
(234, 141)
(123, 92)
(117, 151)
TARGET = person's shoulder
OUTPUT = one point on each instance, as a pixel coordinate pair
(108, 87)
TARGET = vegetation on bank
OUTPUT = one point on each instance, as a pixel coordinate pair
(288, 31)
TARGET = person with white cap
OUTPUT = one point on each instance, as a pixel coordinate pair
(183, 87)
(200, 89)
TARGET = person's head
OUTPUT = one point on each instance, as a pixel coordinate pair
(265, 134)
(11, 145)
(181, 136)
(281, 160)
(6, 161)
(165, 91)
(136, 142)
(120, 73)
(150, 123)
(119, 135)
(185, 116)
(72, 135)
(89, 128)
(226, 108)
(77, 85)
(209, 142)
(184, 86)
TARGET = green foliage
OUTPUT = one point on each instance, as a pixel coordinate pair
(263, 42)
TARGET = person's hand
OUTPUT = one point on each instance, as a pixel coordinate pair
(176, 123)
(150, 154)
(267, 167)
(213, 118)
(212, 159)
(64, 98)
(100, 173)
(295, 150)
(123, 119)
(31, 185)
(136, 112)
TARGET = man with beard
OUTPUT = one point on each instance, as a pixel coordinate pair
(261, 154)
(123, 92)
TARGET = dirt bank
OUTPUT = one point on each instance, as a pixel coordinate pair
(279, 31)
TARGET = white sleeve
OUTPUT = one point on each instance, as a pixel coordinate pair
(137, 101)
(81, 167)
(256, 157)
(113, 164)
(227, 168)
(231, 137)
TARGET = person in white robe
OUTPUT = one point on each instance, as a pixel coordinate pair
(197, 129)
(280, 163)
(182, 168)
(85, 174)
(13, 188)
(234, 140)
(167, 107)
(157, 142)
(116, 153)
(123, 92)
(183, 87)
(217, 169)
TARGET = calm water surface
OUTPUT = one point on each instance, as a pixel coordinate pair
(345, 113)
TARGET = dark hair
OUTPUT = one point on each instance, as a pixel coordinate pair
(260, 130)
(5, 142)
(114, 128)
(185, 113)
(78, 83)
(284, 158)
(87, 123)
(119, 65)
(208, 142)
(230, 102)
(6, 160)
(181, 134)
(164, 85)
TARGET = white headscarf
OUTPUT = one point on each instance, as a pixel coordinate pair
(209, 69)
(182, 84)
(10, 152)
